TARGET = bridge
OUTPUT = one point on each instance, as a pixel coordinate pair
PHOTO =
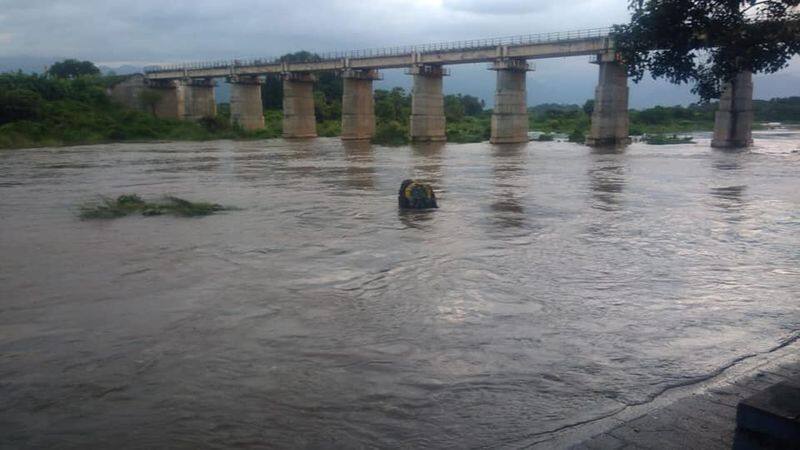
(187, 90)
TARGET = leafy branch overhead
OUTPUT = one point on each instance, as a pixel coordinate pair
(708, 42)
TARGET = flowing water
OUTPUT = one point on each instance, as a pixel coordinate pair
(554, 285)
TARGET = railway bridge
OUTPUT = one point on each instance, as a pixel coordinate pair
(187, 90)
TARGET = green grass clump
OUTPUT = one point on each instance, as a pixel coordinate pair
(125, 205)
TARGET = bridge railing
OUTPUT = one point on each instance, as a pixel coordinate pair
(473, 44)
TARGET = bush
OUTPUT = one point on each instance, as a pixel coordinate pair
(577, 136)
(391, 133)
(544, 137)
(19, 104)
(329, 128)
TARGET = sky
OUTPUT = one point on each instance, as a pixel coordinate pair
(142, 32)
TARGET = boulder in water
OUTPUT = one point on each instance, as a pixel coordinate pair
(416, 195)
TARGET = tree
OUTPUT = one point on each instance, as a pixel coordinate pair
(19, 104)
(453, 108)
(708, 42)
(473, 106)
(149, 98)
(72, 68)
(588, 107)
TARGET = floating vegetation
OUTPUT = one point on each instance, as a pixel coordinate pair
(125, 205)
(660, 139)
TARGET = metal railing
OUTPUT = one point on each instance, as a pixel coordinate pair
(473, 44)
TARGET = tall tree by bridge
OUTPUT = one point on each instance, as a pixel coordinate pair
(708, 42)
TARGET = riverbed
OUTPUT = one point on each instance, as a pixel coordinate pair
(555, 284)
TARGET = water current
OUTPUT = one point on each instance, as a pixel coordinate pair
(555, 284)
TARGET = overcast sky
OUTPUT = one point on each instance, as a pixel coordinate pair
(112, 32)
(166, 30)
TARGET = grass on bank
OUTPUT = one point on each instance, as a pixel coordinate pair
(128, 204)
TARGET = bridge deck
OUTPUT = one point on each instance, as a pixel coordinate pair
(551, 45)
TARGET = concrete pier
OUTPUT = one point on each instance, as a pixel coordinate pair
(358, 104)
(299, 120)
(246, 107)
(610, 124)
(510, 116)
(199, 98)
(733, 122)
(169, 102)
(427, 104)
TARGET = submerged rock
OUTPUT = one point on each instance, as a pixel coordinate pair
(416, 195)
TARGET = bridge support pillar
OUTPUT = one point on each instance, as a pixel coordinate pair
(299, 120)
(199, 98)
(733, 122)
(358, 104)
(246, 107)
(427, 104)
(510, 117)
(169, 103)
(610, 124)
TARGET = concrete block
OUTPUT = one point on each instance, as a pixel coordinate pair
(773, 412)
(299, 119)
(358, 105)
(246, 107)
(610, 123)
(199, 99)
(733, 121)
(510, 114)
(427, 122)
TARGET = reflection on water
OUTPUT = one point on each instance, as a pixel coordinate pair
(555, 284)
(508, 169)
(360, 164)
(427, 161)
(607, 180)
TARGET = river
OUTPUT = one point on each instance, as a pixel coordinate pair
(554, 285)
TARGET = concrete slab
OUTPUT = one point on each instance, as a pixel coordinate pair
(773, 412)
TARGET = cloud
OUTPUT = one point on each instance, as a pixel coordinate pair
(164, 31)
(501, 7)
(209, 29)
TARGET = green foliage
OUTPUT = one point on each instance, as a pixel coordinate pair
(394, 105)
(391, 133)
(72, 68)
(469, 129)
(660, 139)
(329, 128)
(546, 137)
(577, 136)
(19, 104)
(272, 92)
(39, 111)
(575, 121)
(453, 108)
(273, 124)
(708, 42)
(125, 205)
(778, 110)
(149, 98)
(588, 107)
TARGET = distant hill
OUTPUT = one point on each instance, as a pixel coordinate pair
(27, 64)
(120, 70)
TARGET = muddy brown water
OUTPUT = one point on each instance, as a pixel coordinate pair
(554, 285)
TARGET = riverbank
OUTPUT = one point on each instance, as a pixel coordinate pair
(42, 111)
(697, 415)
